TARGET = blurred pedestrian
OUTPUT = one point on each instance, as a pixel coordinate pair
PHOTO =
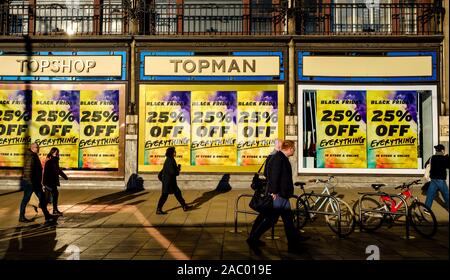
(31, 181)
(52, 171)
(438, 175)
(170, 172)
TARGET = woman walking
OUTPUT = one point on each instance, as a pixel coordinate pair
(52, 171)
(170, 172)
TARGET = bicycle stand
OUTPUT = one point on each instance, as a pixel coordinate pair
(368, 194)
(326, 196)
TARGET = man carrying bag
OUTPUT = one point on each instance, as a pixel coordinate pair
(280, 186)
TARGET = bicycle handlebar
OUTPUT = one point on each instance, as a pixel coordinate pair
(321, 180)
(407, 185)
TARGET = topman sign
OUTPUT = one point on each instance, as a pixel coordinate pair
(61, 66)
(212, 66)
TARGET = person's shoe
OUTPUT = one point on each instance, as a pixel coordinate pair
(302, 238)
(160, 212)
(24, 220)
(57, 212)
(51, 218)
(187, 207)
(253, 244)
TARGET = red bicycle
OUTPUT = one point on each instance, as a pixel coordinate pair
(391, 207)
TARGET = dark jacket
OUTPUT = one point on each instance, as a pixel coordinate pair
(279, 173)
(32, 169)
(52, 171)
(439, 165)
(266, 162)
(170, 172)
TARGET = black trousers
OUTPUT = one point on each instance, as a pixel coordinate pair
(28, 190)
(55, 195)
(265, 221)
(164, 197)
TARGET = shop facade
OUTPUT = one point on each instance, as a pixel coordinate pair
(370, 100)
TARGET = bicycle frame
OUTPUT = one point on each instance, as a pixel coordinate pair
(324, 194)
(392, 204)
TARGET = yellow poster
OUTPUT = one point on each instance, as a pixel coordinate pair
(14, 117)
(257, 125)
(99, 129)
(392, 129)
(55, 117)
(215, 128)
(213, 120)
(341, 129)
(167, 124)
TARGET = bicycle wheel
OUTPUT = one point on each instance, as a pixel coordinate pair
(347, 217)
(422, 219)
(301, 214)
(370, 221)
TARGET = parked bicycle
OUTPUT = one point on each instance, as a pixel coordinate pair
(372, 213)
(338, 214)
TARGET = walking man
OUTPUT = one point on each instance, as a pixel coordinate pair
(281, 187)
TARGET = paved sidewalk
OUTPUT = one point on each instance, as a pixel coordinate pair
(110, 224)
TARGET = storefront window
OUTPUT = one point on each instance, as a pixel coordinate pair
(215, 128)
(83, 121)
(361, 128)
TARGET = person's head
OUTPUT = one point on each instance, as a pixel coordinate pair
(54, 152)
(288, 148)
(439, 148)
(170, 152)
(34, 148)
(278, 143)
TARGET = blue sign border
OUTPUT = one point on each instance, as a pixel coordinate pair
(433, 77)
(210, 78)
(123, 76)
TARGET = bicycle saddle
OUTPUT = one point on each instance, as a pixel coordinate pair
(377, 186)
(300, 184)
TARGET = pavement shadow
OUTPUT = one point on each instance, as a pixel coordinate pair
(114, 198)
(222, 187)
(8, 193)
(34, 242)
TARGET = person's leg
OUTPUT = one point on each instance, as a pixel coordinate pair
(27, 192)
(179, 197)
(288, 220)
(161, 202)
(42, 202)
(269, 219)
(259, 219)
(443, 188)
(55, 196)
(431, 193)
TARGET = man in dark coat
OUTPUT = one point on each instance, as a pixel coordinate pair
(170, 172)
(281, 187)
(32, 182)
